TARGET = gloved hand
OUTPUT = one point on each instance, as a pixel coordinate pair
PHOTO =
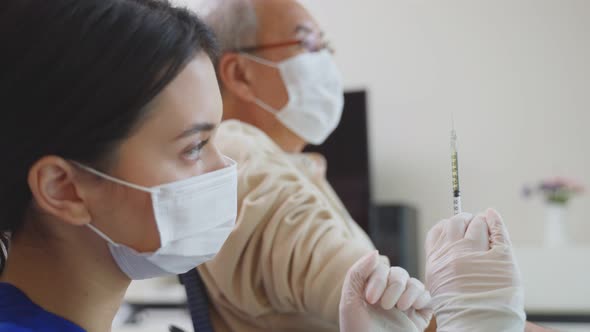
(473, 276)
(371, 291)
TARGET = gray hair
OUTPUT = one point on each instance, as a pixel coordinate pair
(234, 22)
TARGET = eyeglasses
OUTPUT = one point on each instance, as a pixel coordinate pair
(310, 44)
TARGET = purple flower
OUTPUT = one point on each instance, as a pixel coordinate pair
(556, 189)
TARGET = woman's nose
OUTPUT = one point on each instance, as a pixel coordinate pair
(217, 161)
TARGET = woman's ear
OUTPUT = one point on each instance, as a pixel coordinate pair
(236, 77)
(58, 191)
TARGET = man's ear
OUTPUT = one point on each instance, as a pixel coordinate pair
(236, 76)
(57, 190)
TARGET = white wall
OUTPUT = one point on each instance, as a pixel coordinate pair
(516, 75)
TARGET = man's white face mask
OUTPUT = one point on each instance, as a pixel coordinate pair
(316, 97)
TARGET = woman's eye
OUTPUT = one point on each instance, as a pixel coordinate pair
(193, 153)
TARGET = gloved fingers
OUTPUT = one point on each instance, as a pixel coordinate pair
(397, 281)
(377, 283)
(478, 232)
(423, 302)
(454, 229)
(414, 290)
(498, 231)
(434, 236)
(357, 275)
(420, 318)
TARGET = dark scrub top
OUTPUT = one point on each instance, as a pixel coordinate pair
(19, 314)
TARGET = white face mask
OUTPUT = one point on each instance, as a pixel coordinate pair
(194, 218)
(316, 96)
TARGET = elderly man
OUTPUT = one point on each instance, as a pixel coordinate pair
(284, 266)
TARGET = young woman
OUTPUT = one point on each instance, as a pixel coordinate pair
(110, 170)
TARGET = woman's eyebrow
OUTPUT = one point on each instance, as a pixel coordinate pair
(195, 129)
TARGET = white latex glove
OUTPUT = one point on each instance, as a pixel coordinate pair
(473, 276)
(376, 297)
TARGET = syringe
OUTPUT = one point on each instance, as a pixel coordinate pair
(455, 171)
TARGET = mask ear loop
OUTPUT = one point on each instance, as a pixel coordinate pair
(103, 235)
(260, 60)
(266, 107)
(113, 179)
(263, 62)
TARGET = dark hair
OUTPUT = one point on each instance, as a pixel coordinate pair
(76, 78)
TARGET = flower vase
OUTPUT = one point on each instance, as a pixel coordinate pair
(555, 229)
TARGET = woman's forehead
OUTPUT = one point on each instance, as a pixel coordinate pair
(193, 97)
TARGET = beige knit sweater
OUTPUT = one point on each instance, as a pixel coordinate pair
(283, 267)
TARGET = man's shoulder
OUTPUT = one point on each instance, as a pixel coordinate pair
(261, 163)
(241, 141)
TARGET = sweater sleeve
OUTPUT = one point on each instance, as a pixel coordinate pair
(290, 251)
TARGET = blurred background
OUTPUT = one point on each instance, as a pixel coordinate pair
(516, 76)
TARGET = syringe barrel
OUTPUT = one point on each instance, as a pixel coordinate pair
(455, 171)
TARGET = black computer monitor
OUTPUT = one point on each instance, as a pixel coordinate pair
(346, 151)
